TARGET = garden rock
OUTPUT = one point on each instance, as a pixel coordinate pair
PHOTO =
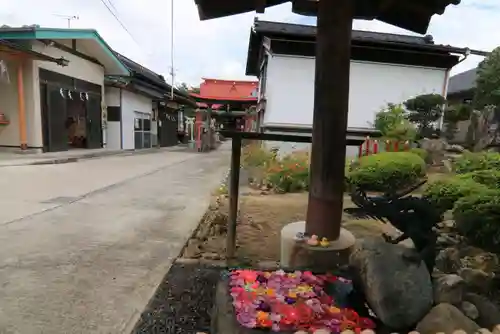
(455, 148)
(435, 149)
(449, 289)
(477, 279)
(446, 318)
(192, 249)
(489, 313)
(398, 290)
(448, 260)
(470, 310)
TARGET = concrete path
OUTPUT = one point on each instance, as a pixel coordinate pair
(84, 245)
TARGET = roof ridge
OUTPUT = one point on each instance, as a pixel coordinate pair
(427, 38)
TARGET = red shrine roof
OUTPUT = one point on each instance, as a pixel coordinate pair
(224, 90)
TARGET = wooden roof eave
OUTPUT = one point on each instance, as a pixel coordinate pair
(408, 14)
(17, 50)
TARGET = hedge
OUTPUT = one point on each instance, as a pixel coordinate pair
(471, 162)
(490, 178)
(444, 193)
(387, 171)
(477, 218)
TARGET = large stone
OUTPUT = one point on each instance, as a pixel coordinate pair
(449, 289)
(397, 285)
(446, 318)
(477, 279)
(489, 313)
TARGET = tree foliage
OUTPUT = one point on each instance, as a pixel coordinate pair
(424, 110)
(393, 124)
(488, 81)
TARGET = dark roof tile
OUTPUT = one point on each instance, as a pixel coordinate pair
(463, 81)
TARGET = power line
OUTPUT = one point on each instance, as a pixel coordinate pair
(113, 5)
(119, 21)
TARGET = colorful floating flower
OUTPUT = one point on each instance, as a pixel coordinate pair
(281, 301)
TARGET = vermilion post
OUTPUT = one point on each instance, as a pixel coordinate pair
(368, 145)
(375, 146)
(396, 146)
(23, 141)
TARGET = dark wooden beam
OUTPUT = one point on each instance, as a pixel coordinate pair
(260, 6)
(331, 105)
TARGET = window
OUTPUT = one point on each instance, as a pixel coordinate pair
(142, 130)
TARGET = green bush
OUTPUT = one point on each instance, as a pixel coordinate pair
(420, 152)
(478, 219)
(490, 178)
(388, 171)
(471, 162)
(444, 193)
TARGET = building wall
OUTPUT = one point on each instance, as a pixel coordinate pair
(78, 68)
(113, 130)
(9, 135)
(286, 148)
(132, 104)
(290, 89)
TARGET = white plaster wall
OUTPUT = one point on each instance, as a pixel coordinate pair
(132, 103)
(113, 131)
(9, 135)
(112, 96)
(290, 89)
(78, 68)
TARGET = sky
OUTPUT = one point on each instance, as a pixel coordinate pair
(218, 48)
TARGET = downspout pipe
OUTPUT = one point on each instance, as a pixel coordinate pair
(446, 84)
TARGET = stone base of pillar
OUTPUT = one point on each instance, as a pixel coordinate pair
(300, 255)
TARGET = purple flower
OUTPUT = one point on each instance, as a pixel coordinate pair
(247, 320)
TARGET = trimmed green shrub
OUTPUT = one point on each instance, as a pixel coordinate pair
(444, 193)
(471, 162)
(387, 171)
(478, 219)
(490, 178)
(420, 152)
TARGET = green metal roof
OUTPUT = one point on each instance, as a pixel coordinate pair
(37, 33)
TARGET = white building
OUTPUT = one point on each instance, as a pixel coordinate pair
(385, 68)
(49, 107)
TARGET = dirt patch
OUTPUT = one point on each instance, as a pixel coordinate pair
(260, 220)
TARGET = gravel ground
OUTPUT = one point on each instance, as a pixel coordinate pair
(183, 301)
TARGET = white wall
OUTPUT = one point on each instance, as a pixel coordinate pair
(132, 103)
(290, 89)
(113, 131)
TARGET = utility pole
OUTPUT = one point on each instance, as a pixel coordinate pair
(69, 18)
(172, 71)
(172, 75)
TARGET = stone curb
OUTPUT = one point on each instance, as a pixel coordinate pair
(63, 160)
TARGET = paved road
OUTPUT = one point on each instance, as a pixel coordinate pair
(84, 245)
